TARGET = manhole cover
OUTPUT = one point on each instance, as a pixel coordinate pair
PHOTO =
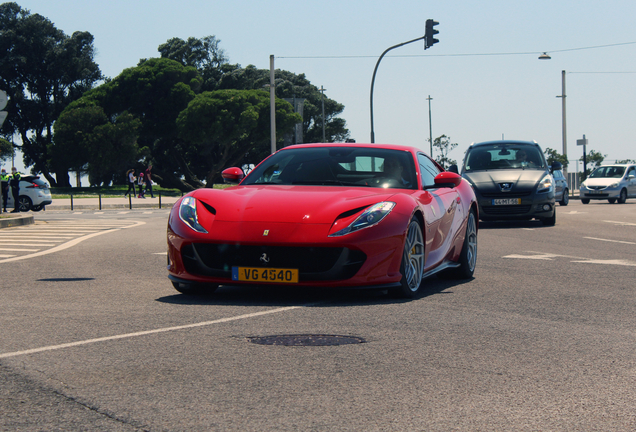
(306, 340)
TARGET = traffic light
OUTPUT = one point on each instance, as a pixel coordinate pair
(429, 40)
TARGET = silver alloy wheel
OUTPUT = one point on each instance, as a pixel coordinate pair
(471, 234)
(414, 256)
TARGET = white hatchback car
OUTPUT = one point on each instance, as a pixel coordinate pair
(614, 183)
(34, 194)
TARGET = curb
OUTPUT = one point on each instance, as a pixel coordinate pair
(167, 206)
(18, 220)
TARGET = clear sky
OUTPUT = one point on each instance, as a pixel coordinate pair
(484, 76)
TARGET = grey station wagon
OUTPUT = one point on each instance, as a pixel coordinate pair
(511, 179)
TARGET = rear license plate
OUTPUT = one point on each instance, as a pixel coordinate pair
(260, 274)
(506, 201)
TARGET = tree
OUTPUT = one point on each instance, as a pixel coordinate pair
(443, 144)
(626, 161)
(204, 54)
(154, 93)
(6, 149)
(90, 141)
(221, 126)
(42, 70)
(553, 156)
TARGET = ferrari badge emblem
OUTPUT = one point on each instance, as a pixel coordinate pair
(265, 233)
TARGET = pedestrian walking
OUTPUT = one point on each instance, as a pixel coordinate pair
(130, 175)
(141, 186)
(4, 186)
(148, 180)
(14, 182)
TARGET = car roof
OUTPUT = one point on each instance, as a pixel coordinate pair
(616, 165)
(511, 142)
(360, 145)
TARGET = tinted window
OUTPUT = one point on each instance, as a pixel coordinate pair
(504, 156)
(428, 168)
(359, 166)
(608, 172)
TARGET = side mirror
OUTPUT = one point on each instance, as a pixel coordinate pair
(453, 168)
(232, 175)
(556, 166)
(445, 179)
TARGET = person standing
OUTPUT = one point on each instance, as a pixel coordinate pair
(14, 182)
(148, 180)
(130, 174)
(141, 186)
(4, 186)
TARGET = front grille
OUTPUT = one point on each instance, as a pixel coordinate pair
(506, 195)
(596, 195)
(506, 210)
(313, 263)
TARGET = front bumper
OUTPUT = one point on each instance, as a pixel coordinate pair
(531, 206)
(599, 194)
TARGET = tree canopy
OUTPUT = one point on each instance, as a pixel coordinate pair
(42, 70)
(554, 156)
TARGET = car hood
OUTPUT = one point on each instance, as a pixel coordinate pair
(288, 204)
(603, 181)
(489, 181)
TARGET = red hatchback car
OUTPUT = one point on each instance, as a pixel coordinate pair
(327, 215)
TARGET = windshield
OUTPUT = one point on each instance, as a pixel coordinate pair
(337, 166)
(504, 156)
(608, 172)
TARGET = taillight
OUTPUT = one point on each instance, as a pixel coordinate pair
(32, 185)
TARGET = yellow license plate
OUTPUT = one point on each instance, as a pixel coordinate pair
(260, 274)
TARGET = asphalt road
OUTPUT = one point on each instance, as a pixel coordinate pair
(95, 338)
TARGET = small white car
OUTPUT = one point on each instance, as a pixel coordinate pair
(34, 195)
(614, 183)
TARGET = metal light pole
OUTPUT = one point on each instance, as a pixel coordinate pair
(430, 124)
(373, 79)
(322, 100)
(272, 103)
(563, 96)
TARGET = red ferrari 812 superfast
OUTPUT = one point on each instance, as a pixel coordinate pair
(327, 215)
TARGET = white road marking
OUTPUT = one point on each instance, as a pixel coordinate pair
(575, 212)
(144, 333)
(19, 250)
(72, 242)
(608, 262)
(548, 257)
(612, 241)
(621, 223)
(6, 256)
(160, 253)
(28, 244)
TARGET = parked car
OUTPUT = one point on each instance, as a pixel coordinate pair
(326, 215)
(512, 180)
(615, 183)
(561, 189)
(34, 194)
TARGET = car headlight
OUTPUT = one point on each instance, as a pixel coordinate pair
(545, 185)
(188, 214)
(613, 185)
(370, 217)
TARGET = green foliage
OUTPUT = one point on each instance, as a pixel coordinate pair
(42, 70)
(6, 149)
(443, 144)
(204, 54)
(552, 155)
(220, 127)
(626, 161)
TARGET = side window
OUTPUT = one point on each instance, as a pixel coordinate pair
(632, 171)
(428, 168)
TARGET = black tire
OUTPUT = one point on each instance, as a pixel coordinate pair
(551, 221)
(194, 288)
(611, 200)
(412, 266)
(37, 208)
(24, 203)
(565, 199)
(623, 197)
(585, 200)
(468, 257)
